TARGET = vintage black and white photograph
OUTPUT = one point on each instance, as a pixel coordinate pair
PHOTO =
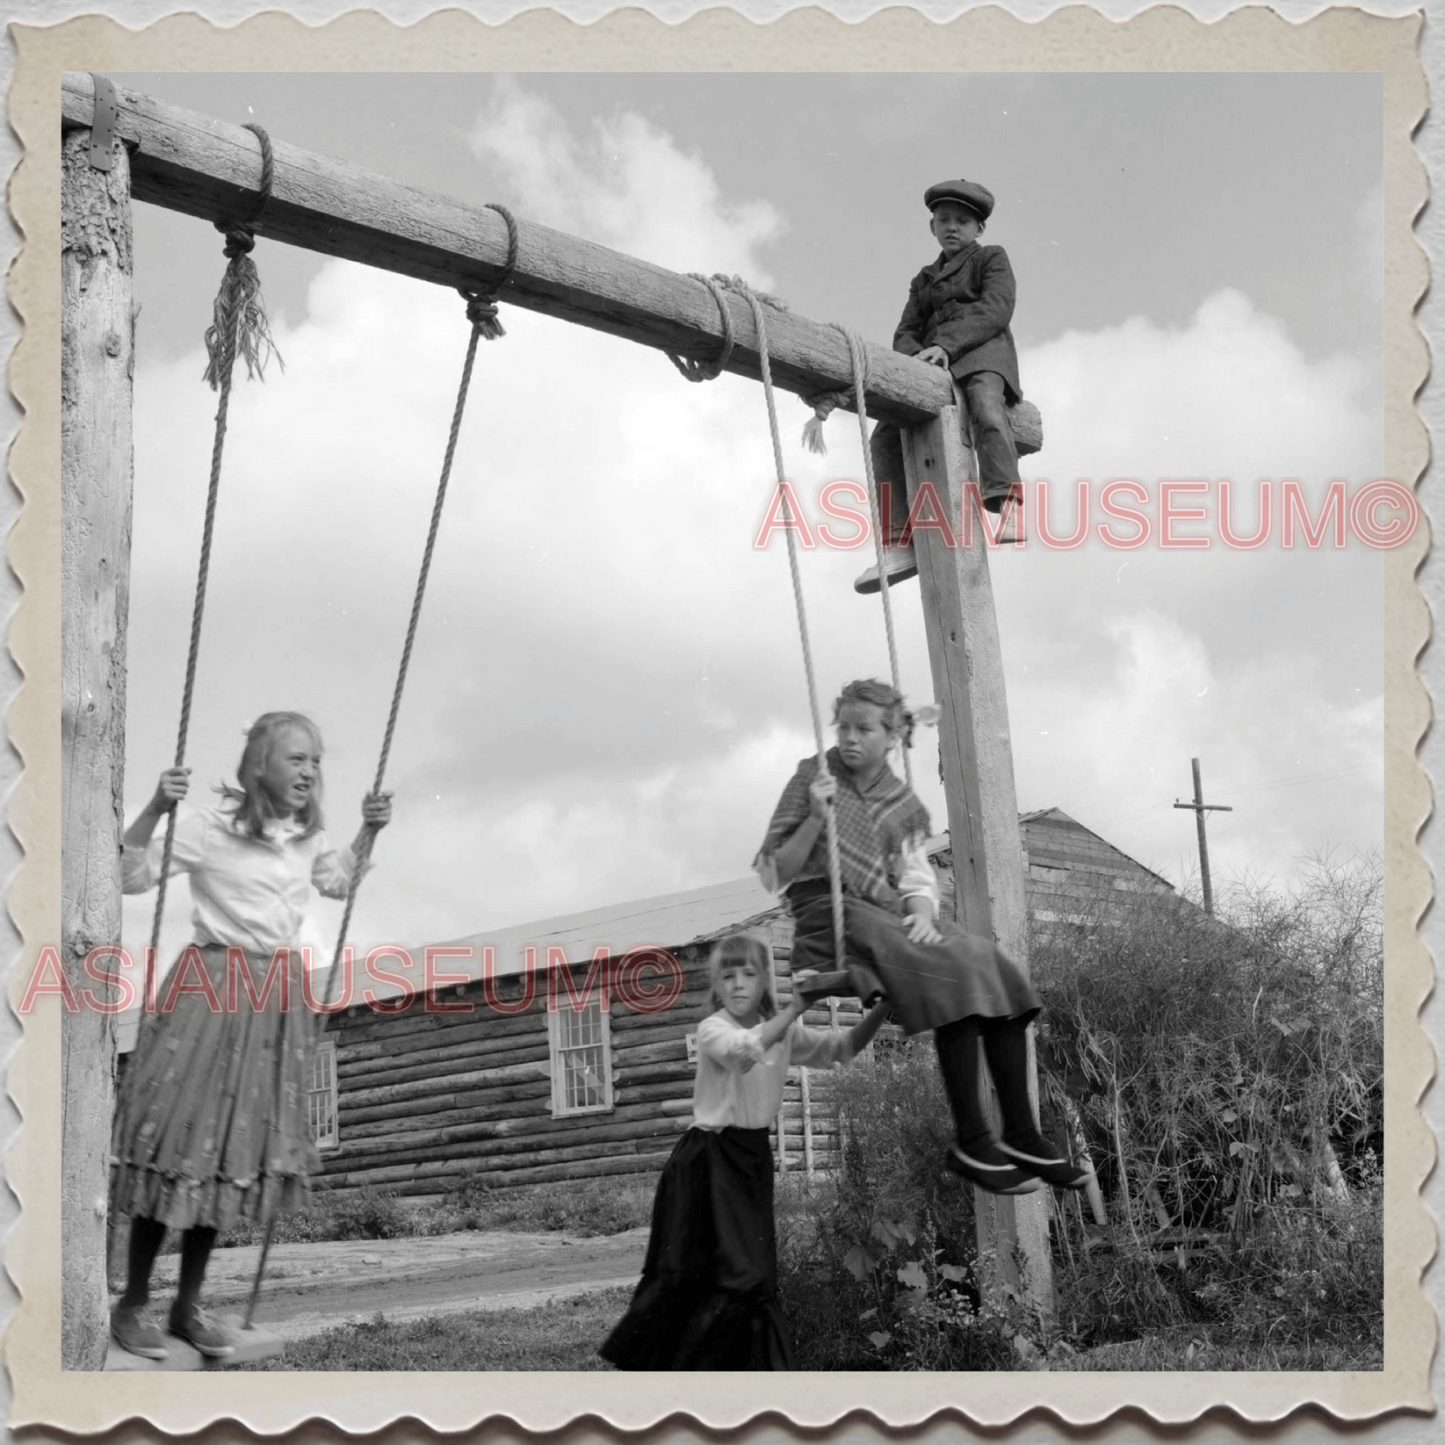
(724, 721)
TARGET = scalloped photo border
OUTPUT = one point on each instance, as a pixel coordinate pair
(1161, 39)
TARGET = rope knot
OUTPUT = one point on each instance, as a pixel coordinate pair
(482, 313)
(825, 403)
(709, 370)
(240, 240)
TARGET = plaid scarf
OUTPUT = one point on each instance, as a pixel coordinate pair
(873, 825)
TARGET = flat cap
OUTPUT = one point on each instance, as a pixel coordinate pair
(978, 199)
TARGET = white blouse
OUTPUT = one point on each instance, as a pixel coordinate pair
(248, 892)
(740, 1083)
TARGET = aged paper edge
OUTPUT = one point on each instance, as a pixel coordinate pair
(1161, 39)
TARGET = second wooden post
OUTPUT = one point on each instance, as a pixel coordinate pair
(978, 781)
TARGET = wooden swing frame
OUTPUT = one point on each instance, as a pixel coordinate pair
(183, 161)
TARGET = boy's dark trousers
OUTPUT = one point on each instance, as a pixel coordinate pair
(993, 441)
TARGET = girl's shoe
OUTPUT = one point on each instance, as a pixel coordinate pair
(137, 1333)
(207, 1335)
(984, 1165)
(1037, 1156)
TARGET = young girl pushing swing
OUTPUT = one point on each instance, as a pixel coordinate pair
(211, 1126)
(934, 975)
(708, 1295)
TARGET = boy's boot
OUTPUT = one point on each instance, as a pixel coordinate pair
(1006, 1044)
(130, 1327)
(975, 1154)
(1010, 507)
(900, 564)
(189, 1321)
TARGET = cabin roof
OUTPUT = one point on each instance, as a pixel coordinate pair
(1053, 826)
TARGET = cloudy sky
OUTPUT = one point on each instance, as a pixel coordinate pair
(607, 691)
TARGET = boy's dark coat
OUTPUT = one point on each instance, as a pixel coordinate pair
(964, 306)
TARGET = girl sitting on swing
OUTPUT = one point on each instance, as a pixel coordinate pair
(211, 1126)
(934, 975)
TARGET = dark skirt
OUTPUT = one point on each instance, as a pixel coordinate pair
(927, 984)
(708, 1295)
(211, 1126)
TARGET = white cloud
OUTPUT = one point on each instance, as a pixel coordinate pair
(624, 184)
(1230, 395)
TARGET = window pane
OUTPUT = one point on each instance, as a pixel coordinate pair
(320, 1101)
(583, 1078)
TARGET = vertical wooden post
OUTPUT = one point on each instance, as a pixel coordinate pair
(97, 358)
(978, 781)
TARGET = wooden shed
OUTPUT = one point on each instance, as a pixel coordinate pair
(445, 1072)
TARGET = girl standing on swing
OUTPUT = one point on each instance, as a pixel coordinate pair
(211, 1126)
(934, 975)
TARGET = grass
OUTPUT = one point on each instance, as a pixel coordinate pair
(584, 1207)
(1215, 1350)
(563, 1335)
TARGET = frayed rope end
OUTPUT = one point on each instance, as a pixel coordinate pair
(239, 326)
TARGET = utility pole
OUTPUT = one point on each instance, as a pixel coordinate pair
(1199, 808)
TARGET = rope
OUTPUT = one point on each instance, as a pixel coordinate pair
(481, 312)
(824, 404)
(835, 872)
(238, 324)
(859, 357)
(482, 307)
(710, 370)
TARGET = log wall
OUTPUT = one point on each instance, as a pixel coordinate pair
(428, 1102)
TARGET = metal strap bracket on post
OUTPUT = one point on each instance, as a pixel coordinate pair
(102, 125)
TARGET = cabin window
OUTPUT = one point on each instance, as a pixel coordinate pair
(581, 1060)
(321, 1096)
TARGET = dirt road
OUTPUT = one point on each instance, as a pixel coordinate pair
(310, 1287)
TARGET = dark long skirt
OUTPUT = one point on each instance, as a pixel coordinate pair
(928, 984)
(708, 1295)
(211, 1126)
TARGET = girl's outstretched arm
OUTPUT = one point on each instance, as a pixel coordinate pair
(171, 789)
(782, 1021)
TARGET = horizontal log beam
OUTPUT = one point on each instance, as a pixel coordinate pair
(452, 1084)
(509, 1136)
(539, 1148)
(519, 1103)
(551, 1173)
(441, 1064)
(484, 1164)
(208, 168)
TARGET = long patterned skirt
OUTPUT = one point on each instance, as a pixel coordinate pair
(708, 1295)
(211, 1126)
